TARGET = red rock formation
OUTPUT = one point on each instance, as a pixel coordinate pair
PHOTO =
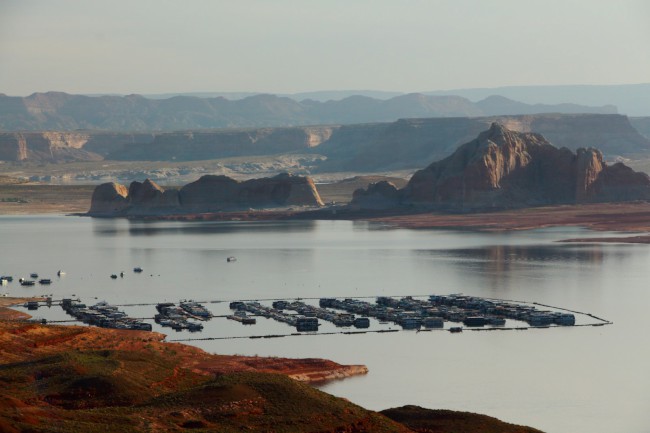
(208, 194)
(213, 193)
(109, 199)
(378, 195)
(503, 168)
(148, 197)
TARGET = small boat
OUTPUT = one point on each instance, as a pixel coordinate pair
(231, 259)
(31, 305)
(45, 281)
(138, 270)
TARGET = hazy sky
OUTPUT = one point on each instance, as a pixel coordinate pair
(283, 46)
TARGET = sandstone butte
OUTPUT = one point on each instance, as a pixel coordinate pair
(504, 169)
(207, 194)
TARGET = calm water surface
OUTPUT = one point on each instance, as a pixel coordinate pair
(563, 380)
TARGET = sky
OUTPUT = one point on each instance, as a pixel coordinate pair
(289, 46)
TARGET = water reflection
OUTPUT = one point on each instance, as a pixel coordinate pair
(519, 270)
(505, 256)
(113, 227)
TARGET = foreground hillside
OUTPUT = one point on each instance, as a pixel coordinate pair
(440, 421)
(86, 379)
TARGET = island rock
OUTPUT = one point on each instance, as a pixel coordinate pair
(208, 194)
(508, 169)
(109, 199)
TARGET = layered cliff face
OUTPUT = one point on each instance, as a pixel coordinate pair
(57, 146)
(208, 194)
(502, 168)
(202, 145)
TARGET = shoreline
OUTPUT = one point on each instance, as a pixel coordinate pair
(631, 218)
(627, 217)
(308, 370)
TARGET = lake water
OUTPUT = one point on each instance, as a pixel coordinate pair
(560, 380)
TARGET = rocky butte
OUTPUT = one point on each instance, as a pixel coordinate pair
(508, 169)
(208, 194)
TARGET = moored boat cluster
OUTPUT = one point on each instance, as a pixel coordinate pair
(410, 313)
(103, 315)
(407, 312)
(169, 315)
(302, 323)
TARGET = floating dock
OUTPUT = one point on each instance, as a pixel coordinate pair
(453, 313)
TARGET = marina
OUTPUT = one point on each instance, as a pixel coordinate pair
(453, 313)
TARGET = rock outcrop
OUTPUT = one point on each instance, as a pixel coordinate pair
(208, 194)
(505, 169)
(150, 198)
(108, 199)
(214, 193)
(378, 195)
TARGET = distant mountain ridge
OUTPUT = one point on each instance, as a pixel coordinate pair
(630, 99)
(65, 112)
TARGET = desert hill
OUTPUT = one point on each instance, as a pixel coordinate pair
(66, 112)
(502, 168)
